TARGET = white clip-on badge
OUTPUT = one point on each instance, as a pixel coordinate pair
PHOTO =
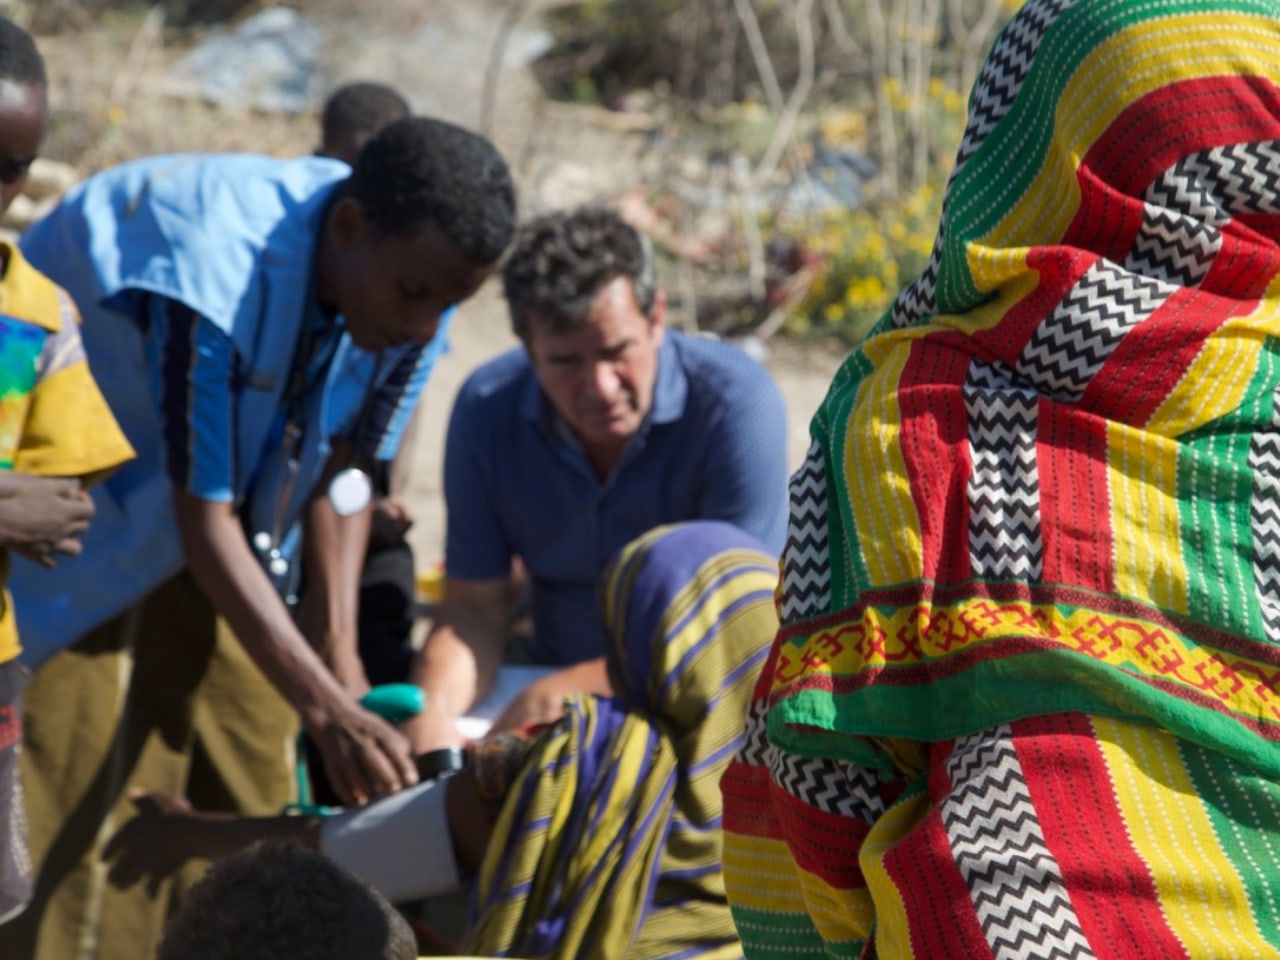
(350, 491)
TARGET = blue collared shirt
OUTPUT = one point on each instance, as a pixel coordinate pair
(713, 446)
(231, 238)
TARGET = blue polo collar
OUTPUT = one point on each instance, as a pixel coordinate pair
(670, 390)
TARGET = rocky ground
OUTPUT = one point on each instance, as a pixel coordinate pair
(115, 87)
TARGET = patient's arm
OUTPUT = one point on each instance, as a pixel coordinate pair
(408, 845)
(470, 817)
(166, 832)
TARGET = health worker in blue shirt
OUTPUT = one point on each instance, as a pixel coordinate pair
(261, 328)
(603, 425)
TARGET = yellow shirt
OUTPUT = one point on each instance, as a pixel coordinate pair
(54, 421)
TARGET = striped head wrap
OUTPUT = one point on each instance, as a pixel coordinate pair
(609, 842)
(1050, 479)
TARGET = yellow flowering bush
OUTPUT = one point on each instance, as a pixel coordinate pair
(868, 254)
(866, 257)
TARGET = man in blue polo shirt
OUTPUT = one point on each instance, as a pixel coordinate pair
(603, 425)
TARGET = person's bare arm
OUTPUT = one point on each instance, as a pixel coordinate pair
(167, 831)
(364, 756)
(470, 817)
(41, 517)
(543, 700)
(334, 549)
(460, 658)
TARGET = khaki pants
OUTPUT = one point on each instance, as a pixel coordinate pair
(161, 698)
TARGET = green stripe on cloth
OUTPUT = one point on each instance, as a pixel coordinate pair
(1236, 802)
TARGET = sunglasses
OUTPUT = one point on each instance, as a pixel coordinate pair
(13, 169)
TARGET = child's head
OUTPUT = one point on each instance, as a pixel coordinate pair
(417, 227)
(354, 113)
(280, 900)
(24, 108)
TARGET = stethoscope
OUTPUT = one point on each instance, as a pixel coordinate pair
(350, 489)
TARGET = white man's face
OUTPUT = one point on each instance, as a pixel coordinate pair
(600, 376)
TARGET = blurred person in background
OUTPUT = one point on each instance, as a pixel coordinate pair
(352, 114)
(603, 424)
(56, 432)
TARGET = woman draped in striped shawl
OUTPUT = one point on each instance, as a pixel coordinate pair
(609, 842)
(1025, 698)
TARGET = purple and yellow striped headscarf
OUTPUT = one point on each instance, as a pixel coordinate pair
(609, 842)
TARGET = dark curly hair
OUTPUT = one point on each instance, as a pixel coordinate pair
(281, 900)
(356, 111)
(20, 61)
(419, 170)
(561, 260)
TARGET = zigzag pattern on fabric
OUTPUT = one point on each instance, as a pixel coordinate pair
(919, 299)
(1173, 247)
(1264, 520)
(755, 740)
(806, 577)
(1231, 179)
(833, 786)
(1003, 488)
(1014, 881)
(1002, 76)
(1005, 70)
(1188, 204)
(1073, 342)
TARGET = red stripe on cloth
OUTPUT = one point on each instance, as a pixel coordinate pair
(1264, 224)
(934, 441)
(939, 909)
(1154, 356)
(1244, 266)
(748, 808)
(1150, 136)
(1107, 219)
(1075, 510)
(821, 843)
(1059, 268)
(1109, 884)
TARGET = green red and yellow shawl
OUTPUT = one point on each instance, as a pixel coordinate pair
(1051, 481)
(609, 842)
(1025, 698)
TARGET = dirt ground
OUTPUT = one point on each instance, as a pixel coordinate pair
(108, 87)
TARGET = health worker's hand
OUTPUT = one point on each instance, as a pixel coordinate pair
(364, 756)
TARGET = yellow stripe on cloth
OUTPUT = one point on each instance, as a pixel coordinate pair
(1142, 479)
(922, 633)
(707, 606)
(1215, 381)
(872, 451)
(893, 931)
(763, 872)
(838, 915)
(1201, 895)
